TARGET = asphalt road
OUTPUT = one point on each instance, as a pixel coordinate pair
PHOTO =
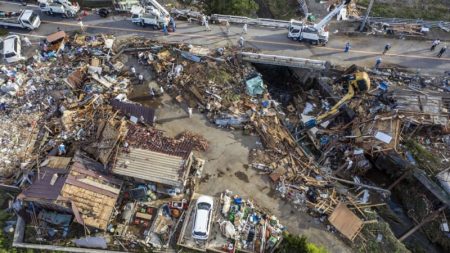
(414, 55)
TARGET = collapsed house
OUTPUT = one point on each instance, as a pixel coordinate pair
(88, 195)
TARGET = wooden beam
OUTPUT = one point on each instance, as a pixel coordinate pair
(429, 218)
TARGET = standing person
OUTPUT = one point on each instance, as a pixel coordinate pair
(203, 20)
(173, 24)
(227, 26)
(141, 79)
(244, 29)
(190, 112)
(386, 48)
(442, 51)
(347, 47)
(133, 70)
(27, 41)
(80, 23)
(241, 42)
(207, 28)
(377, 62)
(165, 29)
(434, 44)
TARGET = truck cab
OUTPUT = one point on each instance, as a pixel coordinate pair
(12, 49)
(295, 29)
(63, 7)
(30, 20)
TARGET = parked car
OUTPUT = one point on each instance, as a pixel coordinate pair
(203, 216)
(103, 12)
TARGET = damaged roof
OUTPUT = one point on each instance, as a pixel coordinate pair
(91, 196)
(159, 167)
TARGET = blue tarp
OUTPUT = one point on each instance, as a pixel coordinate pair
(91, 242)
(255, 86)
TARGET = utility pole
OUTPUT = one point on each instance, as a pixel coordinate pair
(363, 24)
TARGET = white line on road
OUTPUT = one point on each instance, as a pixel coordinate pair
(29, 35)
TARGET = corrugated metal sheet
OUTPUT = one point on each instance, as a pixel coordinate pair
(152, 166)
(42, 189)
(134, 110)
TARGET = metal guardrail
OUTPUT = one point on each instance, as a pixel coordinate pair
(430, 24)
(251, 21)
(285, 61)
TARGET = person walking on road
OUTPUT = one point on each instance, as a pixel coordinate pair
(207, 28)
(227, 26)
(347, 47)
(442, 51)
(241, 42)
(26, 41)
(203, 20)
(435, 44)
(386, 48)
(377, 62)
(244, 29)
(190, 112)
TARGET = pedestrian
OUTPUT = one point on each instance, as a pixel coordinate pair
(434, 44)
(80, 23)
(244, 29)
(62, 149)
(133, 71)
(377, 62)
(442, 51)
(241, 42)
(165, 29)
(386, 48)
(347, 47)
(141, 79)
(203, 20)
(207, 28)
(151, 92)
(190, 112)
(227, 26)
(174, 25)
(27, 41)
(161, 90)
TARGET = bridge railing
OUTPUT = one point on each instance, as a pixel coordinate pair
(251, 21)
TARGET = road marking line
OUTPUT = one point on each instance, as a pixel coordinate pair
(254, 41)
(29, 35)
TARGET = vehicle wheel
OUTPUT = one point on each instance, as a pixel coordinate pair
(64, 15)
(142, 24)
(155, 27)
(51, 12)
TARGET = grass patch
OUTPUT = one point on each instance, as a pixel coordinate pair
(425, 159)
(3, 32)
(427, 10)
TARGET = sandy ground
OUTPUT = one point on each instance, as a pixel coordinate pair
(227, 168)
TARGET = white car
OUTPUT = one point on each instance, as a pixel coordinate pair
(203, 216)
(12, 49)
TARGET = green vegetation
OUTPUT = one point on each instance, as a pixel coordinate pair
(298, 244)
(414, 9)
(3, 32)
(425, 159)
(283, 9)
(231, 7)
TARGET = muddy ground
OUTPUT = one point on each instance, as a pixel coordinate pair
(227, 168)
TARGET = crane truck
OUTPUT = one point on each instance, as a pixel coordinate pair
(316, 33)
(154, 15)
(62, 7)
(26, 19)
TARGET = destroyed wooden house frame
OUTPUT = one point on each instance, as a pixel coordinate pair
(90, 196)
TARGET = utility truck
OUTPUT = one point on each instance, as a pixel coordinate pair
(26, 19)
(153, 15)
(60, 7)
(314, 33)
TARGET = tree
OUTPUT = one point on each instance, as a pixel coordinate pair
(291, 243)
(231, 7)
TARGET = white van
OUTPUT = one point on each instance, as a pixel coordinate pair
(203, 216)
(12, 49)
